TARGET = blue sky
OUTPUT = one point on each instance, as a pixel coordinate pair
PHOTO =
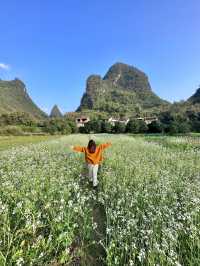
(53, 46)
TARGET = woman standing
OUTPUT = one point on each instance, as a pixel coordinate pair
(93, 157)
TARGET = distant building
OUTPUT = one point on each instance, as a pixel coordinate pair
(147, 120)
(112, 121)
(81, 121)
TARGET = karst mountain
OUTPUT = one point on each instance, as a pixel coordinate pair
(55, 112)
(14, 98)
(123, 89)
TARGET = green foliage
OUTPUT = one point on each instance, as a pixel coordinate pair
(11, 130)
(136, 126)
(195, 126)
(57, 126)
(173, 128)
(106, 127)
(7, 142)
(119, 128)
(183, 126)
(83, 130)
(100, 126)
(93, 126)
(72, 125)
(17, 119)
(132, 126)
(155, 127)
(51, 216)
(174, 123)
(166, 117)
(14, 98)
(143, 128)
(194, 120)
(178, 127)
(27, 124)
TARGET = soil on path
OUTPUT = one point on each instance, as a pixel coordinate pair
(94, 253)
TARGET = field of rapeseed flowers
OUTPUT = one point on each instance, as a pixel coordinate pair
(149, 196)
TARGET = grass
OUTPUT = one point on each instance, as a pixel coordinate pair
(146, 211)
(7, 142)
(182, 142)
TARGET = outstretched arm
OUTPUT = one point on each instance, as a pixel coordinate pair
(78, 148)
(106, 145)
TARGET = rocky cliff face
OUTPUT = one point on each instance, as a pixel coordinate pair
(123, 89)
(14, 98)
(127, 77)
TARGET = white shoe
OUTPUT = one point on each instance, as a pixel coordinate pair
(95, 185)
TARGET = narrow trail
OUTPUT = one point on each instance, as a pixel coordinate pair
(94, 254)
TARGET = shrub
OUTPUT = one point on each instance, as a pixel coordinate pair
(119, 127)
(57, 126)
(136, 126)
(155, 127)
(17, 119)
(92, 126)
(132, 126)
(11, 130)
(106, 127)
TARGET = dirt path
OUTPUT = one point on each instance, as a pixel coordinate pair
(94, 254)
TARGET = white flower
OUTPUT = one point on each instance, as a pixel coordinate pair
(20, 262)
(131, 263)
(141, 255)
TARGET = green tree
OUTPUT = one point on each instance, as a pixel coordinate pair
(83, 130)
(72, 125)
(142, 126)
(184, 127)
(132, 126)
(194, 120)
(119, 127)
(155, 127)
(17, 119)
(166, 118)
(57, 126)
(106, 127)
(93, 126)
(173, 128)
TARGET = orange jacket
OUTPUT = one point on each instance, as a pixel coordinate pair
(93, 158)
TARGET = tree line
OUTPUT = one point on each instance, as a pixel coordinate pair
(23, 123)
(167, 123)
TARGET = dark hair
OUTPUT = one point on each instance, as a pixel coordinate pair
(91, 146)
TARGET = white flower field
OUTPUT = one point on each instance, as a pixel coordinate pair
(150, 194)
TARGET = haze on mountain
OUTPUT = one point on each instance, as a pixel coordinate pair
(123, 89)
(14, 98)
